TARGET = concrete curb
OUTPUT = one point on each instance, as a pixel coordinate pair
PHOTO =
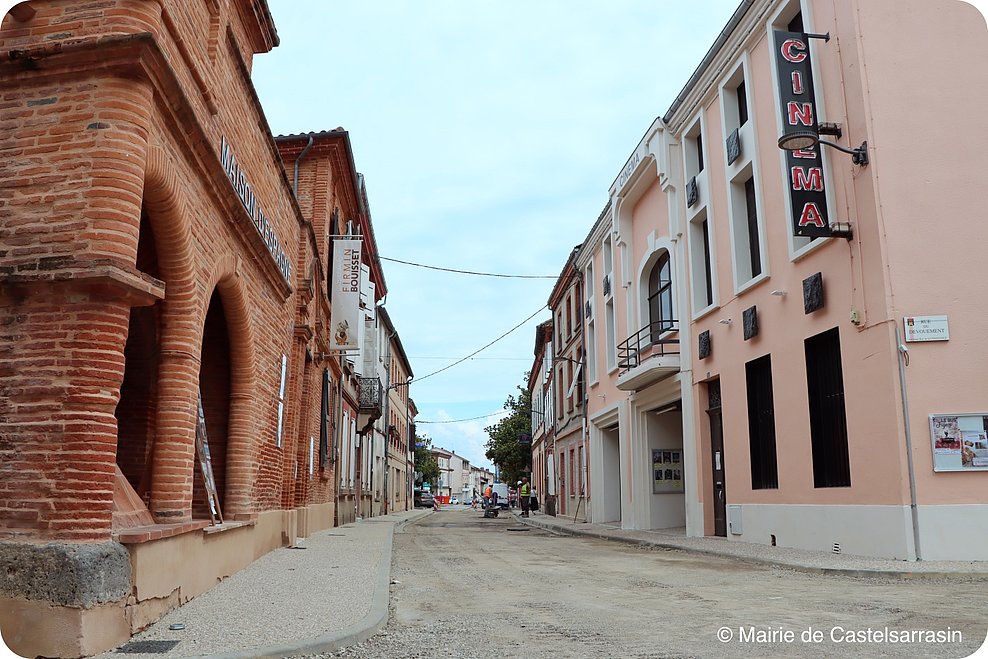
(373, 622)
(810, 569)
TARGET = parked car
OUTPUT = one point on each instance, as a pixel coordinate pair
(454, 500)
(423, 499)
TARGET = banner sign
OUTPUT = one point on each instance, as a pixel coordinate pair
(804, 167)
(231, 166)
(345, 319)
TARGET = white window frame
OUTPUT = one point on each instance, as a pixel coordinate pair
(738, 214)
(697, 262)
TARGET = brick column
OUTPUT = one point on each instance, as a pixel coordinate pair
(173, 459)
(69, 230)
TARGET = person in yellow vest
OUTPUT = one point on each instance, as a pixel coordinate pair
(524, 496)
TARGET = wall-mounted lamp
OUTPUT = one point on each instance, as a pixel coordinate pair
(807, 139)
(778, 293)
(725, 321)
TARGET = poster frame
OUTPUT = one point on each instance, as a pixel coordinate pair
(968, 427)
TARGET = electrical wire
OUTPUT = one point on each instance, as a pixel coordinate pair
(503, 359)
(460, 361)
(473, 418)
(469, 272)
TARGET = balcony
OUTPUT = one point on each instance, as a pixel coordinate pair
(649, 355)
(370, 401)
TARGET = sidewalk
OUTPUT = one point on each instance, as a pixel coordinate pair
(803, 560)
(329, 592)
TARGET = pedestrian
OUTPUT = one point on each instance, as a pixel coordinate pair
(488, 491)
(524, 494)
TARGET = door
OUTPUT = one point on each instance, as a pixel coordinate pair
(717, 458)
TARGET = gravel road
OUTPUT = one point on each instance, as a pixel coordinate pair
(465, 586)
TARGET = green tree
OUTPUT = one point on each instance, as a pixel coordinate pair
(510, 444)
(425, 462)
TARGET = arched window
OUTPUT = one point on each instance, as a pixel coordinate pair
(660, 316)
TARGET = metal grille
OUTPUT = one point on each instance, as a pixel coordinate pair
(761, 424)
(147, 647)
(370, 395)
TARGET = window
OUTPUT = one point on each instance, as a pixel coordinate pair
(701, 261)
(581, 467)
(281, 400)
(742, 98)
(751, 212)
(579, 379)
(828, 421)
(698, 145)
(707, 279)
(572, 472)
(610, 323)
(693, 151)
(569, 389)
(591, 341)
(796, 23)
(745, 227)
(660, 314)
(610, 329)
(761, 424)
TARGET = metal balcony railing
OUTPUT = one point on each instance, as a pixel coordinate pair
(652, 340)
(370, 396)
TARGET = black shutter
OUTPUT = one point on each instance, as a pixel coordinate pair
(828, 420)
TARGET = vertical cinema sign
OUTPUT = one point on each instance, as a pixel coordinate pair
(804, 167)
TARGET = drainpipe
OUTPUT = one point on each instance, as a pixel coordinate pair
(299, 160)
(903, 358)
(387, 409)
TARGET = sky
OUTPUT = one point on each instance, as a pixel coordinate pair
(489, 134)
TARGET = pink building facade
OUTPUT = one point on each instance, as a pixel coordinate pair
(749, 380)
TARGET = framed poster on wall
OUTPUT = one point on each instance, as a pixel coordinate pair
(667, 470)
(960, 441)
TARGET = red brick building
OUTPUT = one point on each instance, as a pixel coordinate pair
(156, 242)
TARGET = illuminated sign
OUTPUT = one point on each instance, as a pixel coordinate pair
(804, 167)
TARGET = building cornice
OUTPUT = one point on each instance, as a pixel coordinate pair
(746, 23)
(595, 237)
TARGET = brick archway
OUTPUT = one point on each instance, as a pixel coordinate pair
(172, 457)
(239, 472)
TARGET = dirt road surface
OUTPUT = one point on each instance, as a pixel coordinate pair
(465, 586)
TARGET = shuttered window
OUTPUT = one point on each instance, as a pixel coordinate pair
(761, 424)
(828, 421)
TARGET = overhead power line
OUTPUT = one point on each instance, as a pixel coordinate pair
(503, 359)
(460, 361)
(473, 418)
(469, 272)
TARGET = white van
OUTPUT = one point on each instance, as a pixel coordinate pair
(502, 494)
